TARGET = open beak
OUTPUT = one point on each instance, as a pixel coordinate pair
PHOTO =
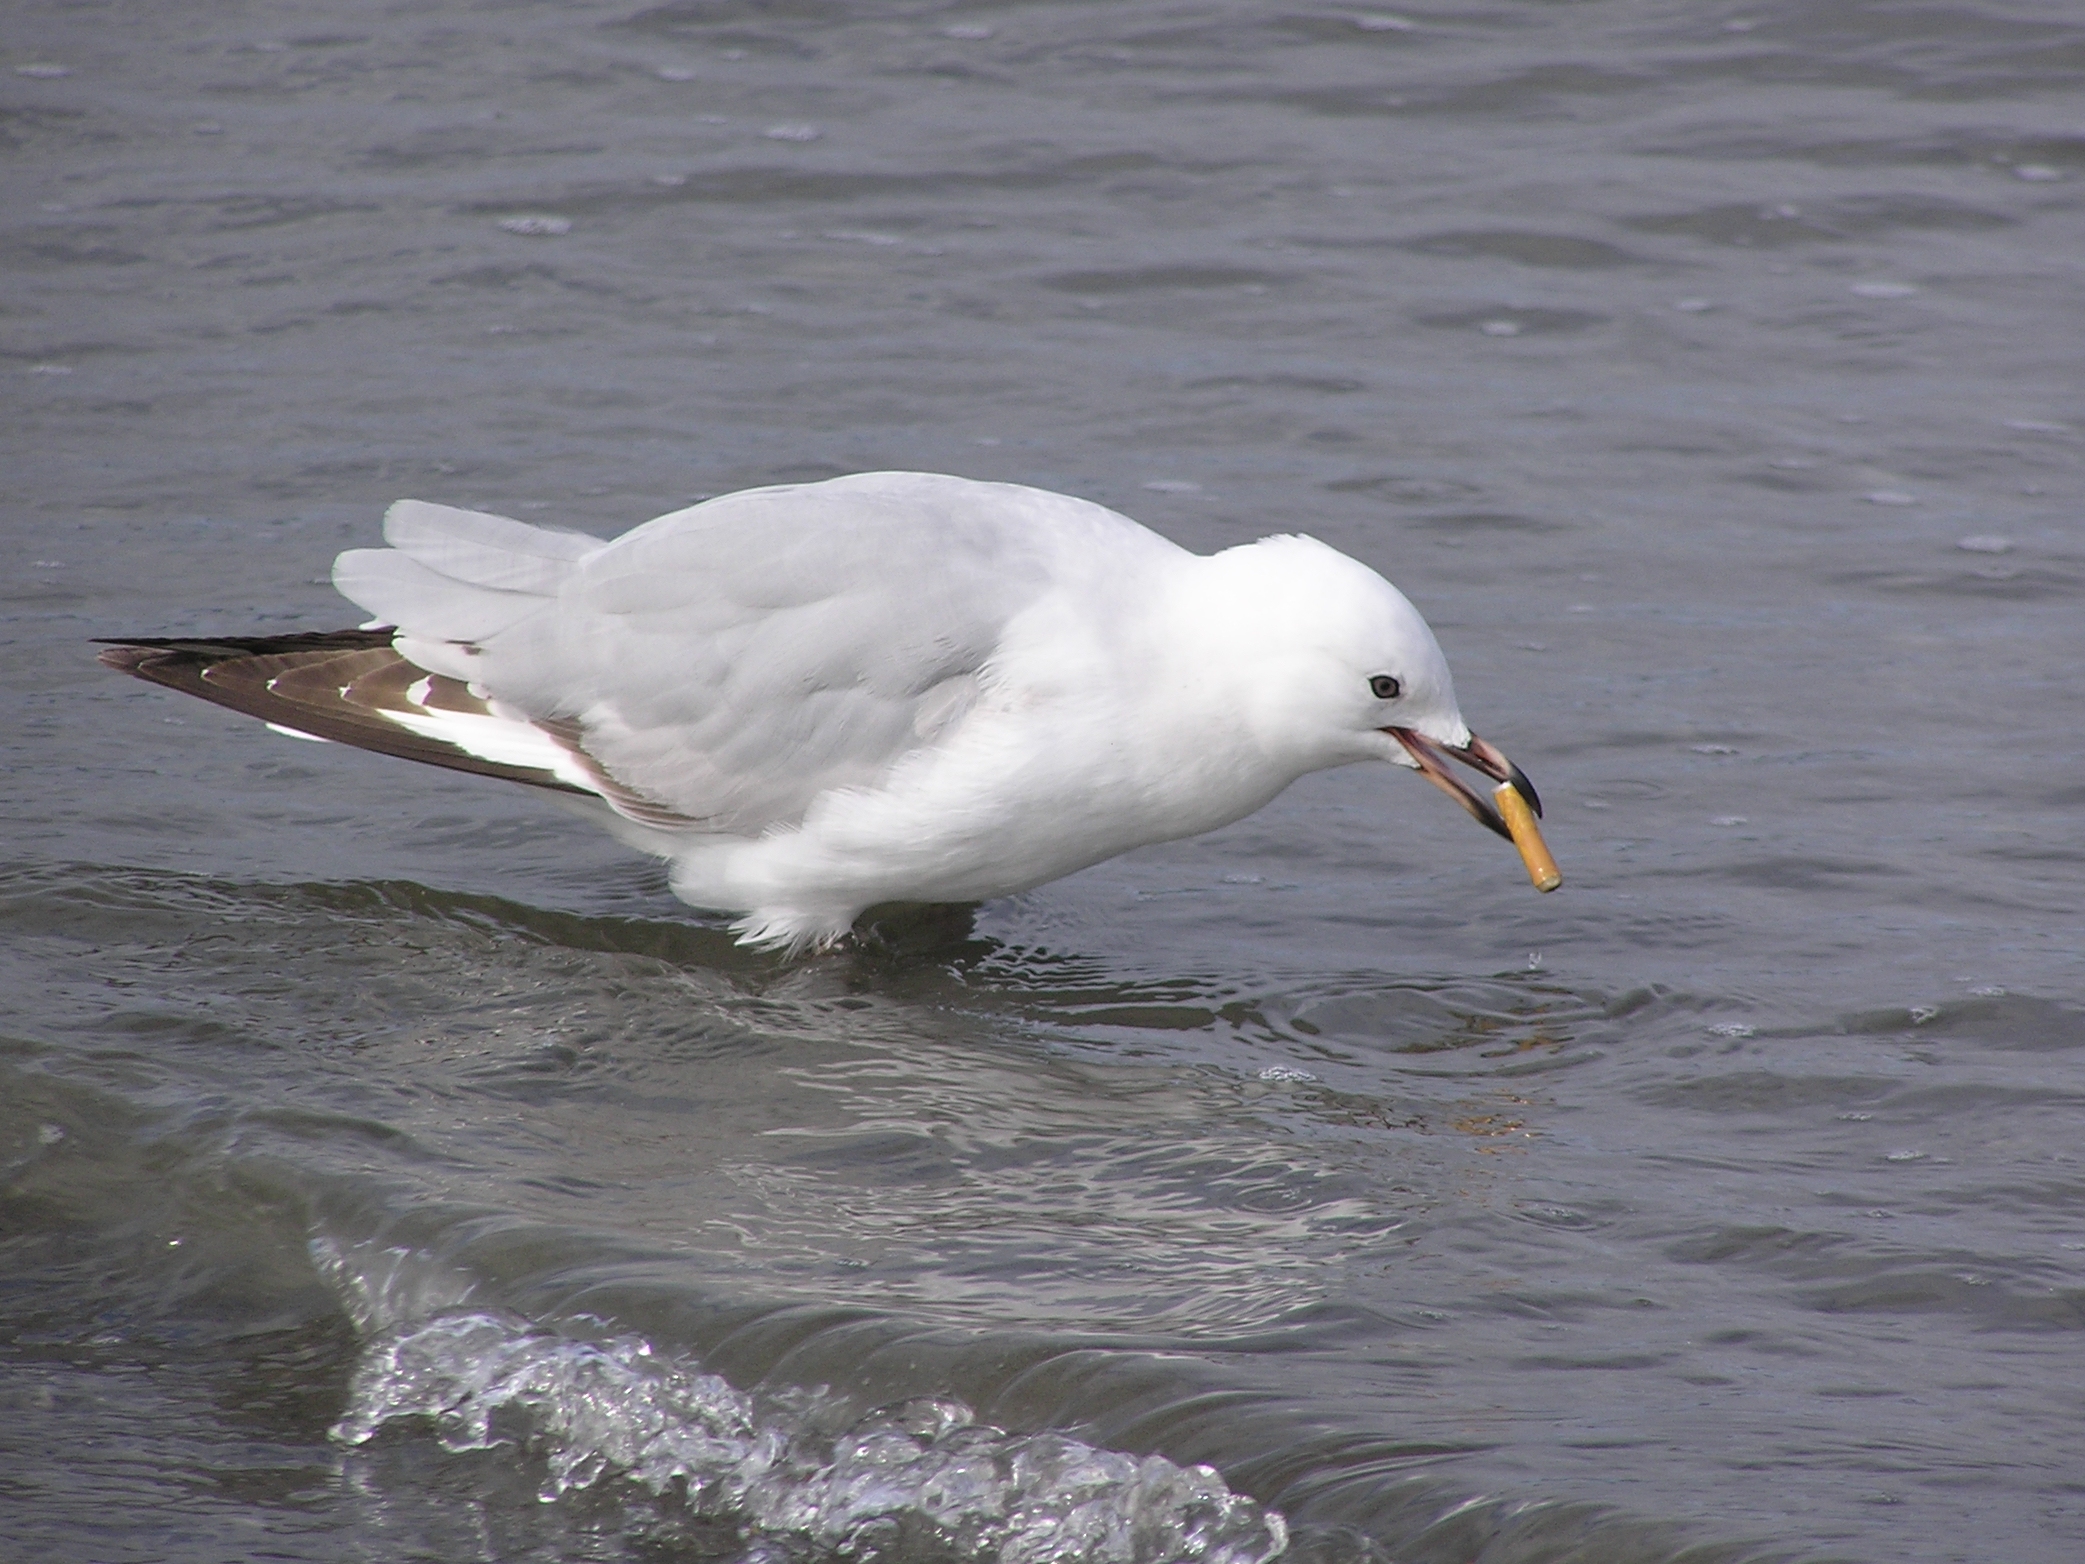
(1512, 808)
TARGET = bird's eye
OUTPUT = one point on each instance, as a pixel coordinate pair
(1384, 688)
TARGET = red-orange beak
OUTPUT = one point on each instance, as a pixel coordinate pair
(1512, 808)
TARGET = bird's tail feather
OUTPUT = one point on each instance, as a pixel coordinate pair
(452, 579)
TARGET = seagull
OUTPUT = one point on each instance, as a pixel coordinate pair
(814, 699)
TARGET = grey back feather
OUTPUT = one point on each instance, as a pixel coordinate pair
(733, 660)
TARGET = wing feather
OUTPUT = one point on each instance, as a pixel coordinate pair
(730, 662)
(714, 670)
(351, 687)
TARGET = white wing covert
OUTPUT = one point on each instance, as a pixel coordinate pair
(718, 668)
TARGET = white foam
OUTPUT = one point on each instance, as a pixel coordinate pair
(609, 1410)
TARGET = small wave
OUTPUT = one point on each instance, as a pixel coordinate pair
(595, 1412)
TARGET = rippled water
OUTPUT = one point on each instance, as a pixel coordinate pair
(394, 1170)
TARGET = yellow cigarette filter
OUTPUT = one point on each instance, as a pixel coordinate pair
(1527, 836)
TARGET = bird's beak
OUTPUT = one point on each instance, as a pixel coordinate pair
(1512, 808)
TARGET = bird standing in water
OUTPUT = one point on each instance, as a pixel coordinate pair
(891, 687)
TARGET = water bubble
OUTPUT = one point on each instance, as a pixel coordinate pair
(1173, 486)
(1856, 1118)
(1729, 820)
(1883, 290)
(1903, 1156)
(1712, 749)
(1500, 328)
(1889, 497)
(1284, 1072)
(536, 225)
(1921, 1014)
(1984, 543)
(2036, 172)
(43, 71)
(1988, 991)
(1733, 1029)
(792, 133)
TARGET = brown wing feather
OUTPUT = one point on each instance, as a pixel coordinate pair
(331, 684)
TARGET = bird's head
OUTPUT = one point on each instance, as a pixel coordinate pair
(1335, 665)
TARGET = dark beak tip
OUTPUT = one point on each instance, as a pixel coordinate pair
(1487, 757)
(1526, 790)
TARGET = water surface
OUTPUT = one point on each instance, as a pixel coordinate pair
(383, 1150)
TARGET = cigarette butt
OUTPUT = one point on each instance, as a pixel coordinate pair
(1527, 836)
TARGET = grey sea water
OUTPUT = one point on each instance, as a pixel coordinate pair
(394, 1170)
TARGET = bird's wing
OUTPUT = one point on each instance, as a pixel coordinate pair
(720, 667)
(352, 687)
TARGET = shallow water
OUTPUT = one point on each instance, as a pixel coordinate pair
(394, 1170)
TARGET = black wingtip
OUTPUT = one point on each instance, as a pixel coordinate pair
(123, 656)
(216, 646)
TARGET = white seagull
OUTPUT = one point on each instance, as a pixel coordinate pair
(814, 699)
